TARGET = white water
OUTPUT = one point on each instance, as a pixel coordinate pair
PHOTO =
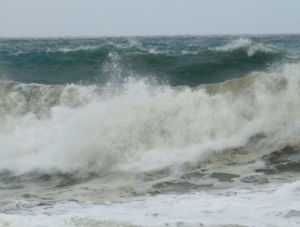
(142, 128)
(276, 206)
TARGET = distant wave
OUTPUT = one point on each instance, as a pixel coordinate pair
(93, 64)
(247, 45)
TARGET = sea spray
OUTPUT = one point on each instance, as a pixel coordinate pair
(138, 127)
(135, 131)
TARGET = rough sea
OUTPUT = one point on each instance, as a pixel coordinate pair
(178, 131)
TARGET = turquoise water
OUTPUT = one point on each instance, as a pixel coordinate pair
(172, 60)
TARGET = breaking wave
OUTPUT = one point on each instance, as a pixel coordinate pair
(138, 127)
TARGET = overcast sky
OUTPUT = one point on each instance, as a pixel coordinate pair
(44, 18)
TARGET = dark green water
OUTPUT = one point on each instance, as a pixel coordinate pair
(171, 60)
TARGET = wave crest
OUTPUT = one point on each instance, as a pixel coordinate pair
(247, 45)
(138, 127)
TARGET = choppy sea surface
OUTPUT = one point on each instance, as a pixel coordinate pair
(150, 131)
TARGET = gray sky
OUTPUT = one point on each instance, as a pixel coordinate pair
(43, 18)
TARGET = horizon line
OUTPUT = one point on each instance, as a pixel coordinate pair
(133, 36)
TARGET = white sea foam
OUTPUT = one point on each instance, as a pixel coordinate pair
(142, 128)
(276, 206)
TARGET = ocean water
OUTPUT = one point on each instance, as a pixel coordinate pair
(150, 131)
